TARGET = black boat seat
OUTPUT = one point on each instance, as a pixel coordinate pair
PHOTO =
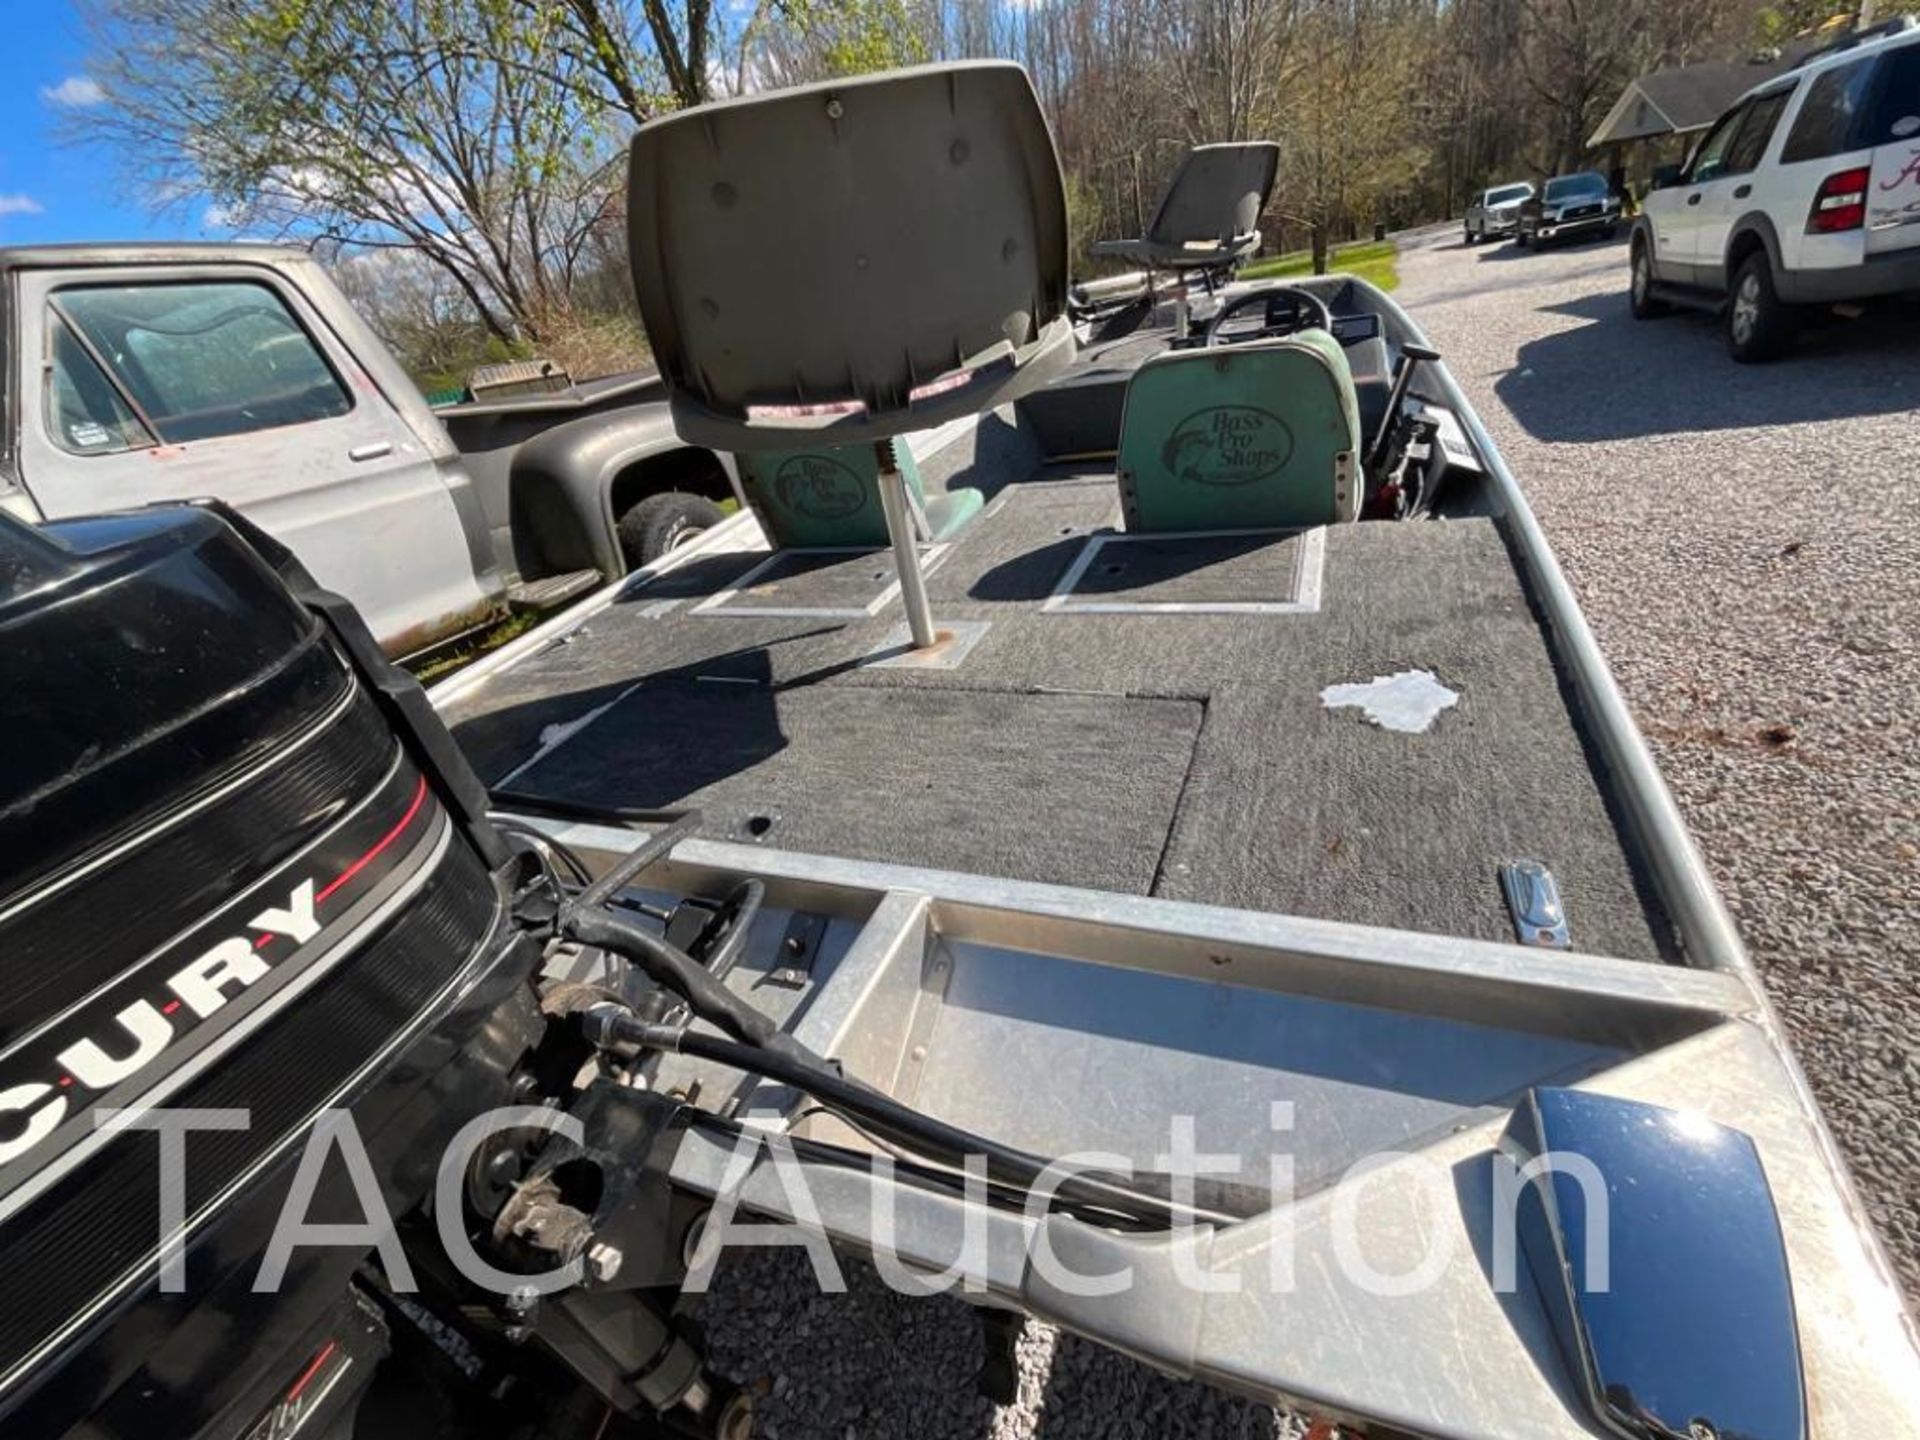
(1263, 435)
(1209, 216)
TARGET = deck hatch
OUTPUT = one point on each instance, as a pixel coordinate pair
(1207, 572)
(828, 583)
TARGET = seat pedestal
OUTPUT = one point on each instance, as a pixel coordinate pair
(902, 531)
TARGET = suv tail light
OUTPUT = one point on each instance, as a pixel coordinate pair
(1841, 202)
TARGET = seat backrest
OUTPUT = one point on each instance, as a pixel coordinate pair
(847, 261)
(1256, 436)
(1217, 193)
(824, 495)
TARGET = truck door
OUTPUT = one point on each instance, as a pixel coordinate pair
(1677, 241)
(1739, 187)
(174, 383)
(1893, 194)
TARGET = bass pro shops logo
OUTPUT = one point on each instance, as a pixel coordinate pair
(1227, 445)
(819, 487)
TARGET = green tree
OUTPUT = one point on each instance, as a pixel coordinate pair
(452, 129)
(806, 40)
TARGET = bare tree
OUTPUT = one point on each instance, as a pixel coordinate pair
(483, 138)
(1576, 56)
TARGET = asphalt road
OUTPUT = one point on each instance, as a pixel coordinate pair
(1745, 542)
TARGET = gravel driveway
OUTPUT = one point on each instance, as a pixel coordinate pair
(1745, 543)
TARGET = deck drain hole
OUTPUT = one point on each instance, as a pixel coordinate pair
(758, 825)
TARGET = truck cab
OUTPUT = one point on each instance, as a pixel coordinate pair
(144, 373)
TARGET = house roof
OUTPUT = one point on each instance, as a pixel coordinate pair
(1679, 101)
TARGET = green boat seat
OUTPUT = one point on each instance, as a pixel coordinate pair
(1263, 435)
(828, 496)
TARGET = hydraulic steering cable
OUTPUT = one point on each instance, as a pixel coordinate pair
(759, 1046)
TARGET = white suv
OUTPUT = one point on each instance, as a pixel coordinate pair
(1806, 192)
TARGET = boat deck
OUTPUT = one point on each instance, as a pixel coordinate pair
(1157, 729)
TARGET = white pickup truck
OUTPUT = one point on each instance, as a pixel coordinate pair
(143, 373)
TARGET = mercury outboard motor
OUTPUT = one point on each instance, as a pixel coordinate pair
(246, 885)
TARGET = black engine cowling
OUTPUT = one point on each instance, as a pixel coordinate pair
(242, 868)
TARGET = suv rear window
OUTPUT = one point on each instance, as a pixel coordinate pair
(205, 359)
(1825, 124)
(1898, 116)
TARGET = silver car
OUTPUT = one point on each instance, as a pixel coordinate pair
(1496, 211)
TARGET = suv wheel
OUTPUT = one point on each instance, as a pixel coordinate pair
(664, 522)
(1471, 237)
(1759, 323)
(1646, 305)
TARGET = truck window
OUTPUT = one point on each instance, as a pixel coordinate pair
(1710, 160)
(85, 415)
(1743, 156)
(1825, 124)
(205, 359)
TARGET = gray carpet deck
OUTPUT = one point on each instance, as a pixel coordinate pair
(953, 780)
(1175, 754)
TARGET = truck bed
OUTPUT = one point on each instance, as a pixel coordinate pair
(1146, 749)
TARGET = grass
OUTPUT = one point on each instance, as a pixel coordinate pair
(1370, 260)
(441, 663)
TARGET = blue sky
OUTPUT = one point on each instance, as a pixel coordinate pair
(50, 191)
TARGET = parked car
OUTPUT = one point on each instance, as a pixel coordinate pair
(1568, 206)
(241, 373)
(1806, 192)
(1496, 212)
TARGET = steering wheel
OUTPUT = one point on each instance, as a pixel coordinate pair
(1289, 309)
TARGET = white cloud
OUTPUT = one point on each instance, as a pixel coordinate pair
(18, 204)
(75, 90)
(222, 217)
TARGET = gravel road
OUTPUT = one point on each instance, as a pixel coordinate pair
(1745, 543)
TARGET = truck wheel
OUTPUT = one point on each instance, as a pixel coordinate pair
(664, 522)
(1646, 305)
(1759, 323)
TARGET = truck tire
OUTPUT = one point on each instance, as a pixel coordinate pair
(1760, 324)
(663, 522)
(1646, 305)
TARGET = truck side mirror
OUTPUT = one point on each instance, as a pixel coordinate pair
(1665, 177)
